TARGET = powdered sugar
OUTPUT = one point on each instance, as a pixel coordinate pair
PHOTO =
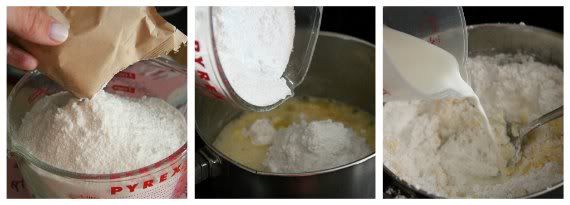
(261, 132)
(442, 148)
(310, 146)
(107, 134)
(254, 44)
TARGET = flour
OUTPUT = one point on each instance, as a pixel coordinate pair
(107, 134)
(442, 147)
(254, 44)
(309, 146)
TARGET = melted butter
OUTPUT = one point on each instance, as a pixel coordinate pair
(234, 143)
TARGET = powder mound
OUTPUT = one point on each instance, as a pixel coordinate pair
(312, 146)
(254, 45)
(441, 146)
(107, 134)
(262, 132)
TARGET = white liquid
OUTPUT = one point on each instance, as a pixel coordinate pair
(428, 69)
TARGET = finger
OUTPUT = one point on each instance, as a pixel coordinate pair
(33, 24)
(20, 58)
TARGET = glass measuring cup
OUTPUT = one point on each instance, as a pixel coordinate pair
(210, 77)
(163, 179)
(443, 27)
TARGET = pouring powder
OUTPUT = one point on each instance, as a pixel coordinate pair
(442, 147)
(308, 146)
(107, 134)
(254, 45)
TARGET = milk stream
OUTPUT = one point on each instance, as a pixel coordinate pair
(427, 70)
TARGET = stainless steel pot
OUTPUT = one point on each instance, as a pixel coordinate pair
(342, 69)
(491, 39)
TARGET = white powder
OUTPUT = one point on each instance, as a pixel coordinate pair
(254, 44)
(107, 134)
(262, 132)
(309, 146)
(442, 147)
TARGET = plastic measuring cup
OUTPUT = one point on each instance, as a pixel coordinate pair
(160, 78)
(441, 26)
(210, 77)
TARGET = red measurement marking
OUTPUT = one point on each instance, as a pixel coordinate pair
(204, 76)
(125, 74)
(434, 29)
(434, 40)
(196, 46)
(129, 174)
(147, 183)
(143, 170)
(116, 189)
(115, 176)
(163, 177)
(200, 61)
(123, 88)
(36, 94)
(212, 91)
(132, 187)
(180, 188)
(176, 170)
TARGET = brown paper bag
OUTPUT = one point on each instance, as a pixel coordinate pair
(103, 41)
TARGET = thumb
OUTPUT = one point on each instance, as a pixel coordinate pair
(33, 24)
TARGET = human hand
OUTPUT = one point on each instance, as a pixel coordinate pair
(34, 25)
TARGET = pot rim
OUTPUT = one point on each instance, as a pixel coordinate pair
(302, 174)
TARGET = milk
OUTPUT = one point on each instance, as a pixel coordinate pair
(416, 69)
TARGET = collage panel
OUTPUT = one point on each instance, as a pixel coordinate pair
(315, 137)
(478, 111)
(97, 102)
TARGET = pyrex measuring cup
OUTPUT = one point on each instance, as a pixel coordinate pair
(160, 78)
(210, 77)
(441, 26)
